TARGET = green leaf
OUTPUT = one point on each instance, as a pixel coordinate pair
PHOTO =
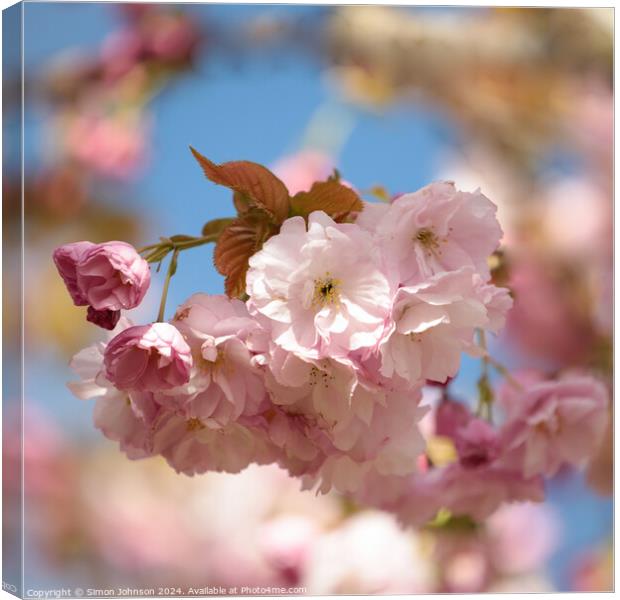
(174, 261)
(182, 238)
(216, 226)
(158, 254)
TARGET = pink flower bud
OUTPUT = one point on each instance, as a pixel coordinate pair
(109, 276)
(172, 39)
(112, 276)
(148, 358)
(104, 318)
(66, 258)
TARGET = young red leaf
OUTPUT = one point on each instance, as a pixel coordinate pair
(330, 196)
(240, 240)
(254, 185)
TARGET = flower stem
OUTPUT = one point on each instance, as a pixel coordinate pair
(482, 338)
(155, 252)
(199, 241)
(172, 267)
(485, 392)
(503, 371)
(484, 387)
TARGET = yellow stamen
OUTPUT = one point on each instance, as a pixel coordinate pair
(180, 315)
(326, 291)
(193, 424)
(429, 240)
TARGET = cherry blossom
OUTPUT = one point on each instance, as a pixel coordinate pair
(117, 414)
(323, 367)
(148, 358)
(223, 381)
(552, 423)
(439, 228)
(435, 321)
(320, 288)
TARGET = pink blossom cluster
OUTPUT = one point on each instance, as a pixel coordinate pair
(101, 123)
(548, 424)
(322, 369)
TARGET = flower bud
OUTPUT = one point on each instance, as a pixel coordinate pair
(113, 276)
(66, 258)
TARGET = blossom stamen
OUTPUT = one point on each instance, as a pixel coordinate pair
(325, 378)
(326, 291)
(429, 240)
(215, 363)
(194, 424)
(415, 337)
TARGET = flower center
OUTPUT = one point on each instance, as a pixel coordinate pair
(212, 359)
(326, 291)
(549, 427)
(193, 424)
(320, 377)
(429, 240)
(180, 315)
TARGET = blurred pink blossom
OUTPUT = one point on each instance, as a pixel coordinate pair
(121, 52)
(171, 37)
(368, 554)
(561, 335)
(552, 423)
(299, 171)
(111, 146)
(523, 536)
(577, 217)
(286, 542)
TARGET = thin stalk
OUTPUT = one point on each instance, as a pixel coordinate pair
(482, 337)
(485, 392)
(164, 295)
(195, 242)
(487, 360)
(156, 253)
(503, 371)
(170, 245)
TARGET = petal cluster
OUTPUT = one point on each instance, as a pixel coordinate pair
(322, 368)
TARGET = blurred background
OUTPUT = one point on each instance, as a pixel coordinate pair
(515, 101)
